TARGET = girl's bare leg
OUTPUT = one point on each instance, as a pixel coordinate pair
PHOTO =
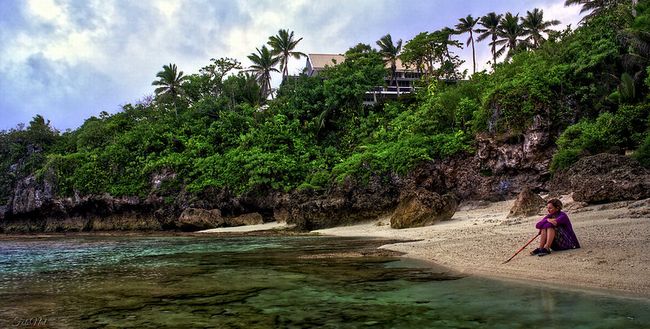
(542, 239)
(547, 236)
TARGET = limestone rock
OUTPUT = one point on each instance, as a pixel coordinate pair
(528, 203)
(345, 204)
(245, 219)
(423, 208)
(529, 150)
(194, 219)
(281, 215)
(30, 195)
(604, 178)
(158, 179)
(569, 204)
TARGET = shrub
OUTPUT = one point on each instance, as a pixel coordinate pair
(624, 129)
(564, 158)
(642, 154)
(401, 155)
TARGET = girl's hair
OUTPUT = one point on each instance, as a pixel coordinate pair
(556, 203)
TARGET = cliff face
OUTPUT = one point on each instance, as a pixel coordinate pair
(500, 168)
(34, 208)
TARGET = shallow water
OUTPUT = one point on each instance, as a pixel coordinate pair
(270, 282)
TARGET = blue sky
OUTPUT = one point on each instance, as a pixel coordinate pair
(69, 60)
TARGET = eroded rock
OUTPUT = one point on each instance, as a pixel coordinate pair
(30, 195)
(423, 208)
(603, 178)
(528, 203)
(245, 219)
(194, 219)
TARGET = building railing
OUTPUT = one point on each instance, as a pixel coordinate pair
(391, 89)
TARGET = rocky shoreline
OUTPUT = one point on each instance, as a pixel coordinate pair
(499, 170)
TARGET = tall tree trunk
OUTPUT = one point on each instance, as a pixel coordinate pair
(494, 51)
(285, 71)
(393, 69)
(471, 37)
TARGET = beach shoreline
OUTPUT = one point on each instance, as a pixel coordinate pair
(614, 258)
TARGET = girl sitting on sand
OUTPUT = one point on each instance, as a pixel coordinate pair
(556, 230)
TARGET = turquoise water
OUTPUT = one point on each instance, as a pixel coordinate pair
(270, 282)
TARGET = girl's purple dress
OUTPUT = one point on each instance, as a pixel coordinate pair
(565, 238)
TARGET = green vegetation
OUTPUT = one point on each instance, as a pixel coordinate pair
(220, 129)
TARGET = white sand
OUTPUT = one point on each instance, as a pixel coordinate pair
(615, 253)
(248, 228)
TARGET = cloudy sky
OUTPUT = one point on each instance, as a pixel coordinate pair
(71, 59)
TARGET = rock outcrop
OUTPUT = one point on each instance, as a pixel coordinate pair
(245, 219)
(30, 195)
(133, 221)
(507, 153)
(194, 219)
(501, 167)
(349, 203)
(528, 203)
(33, 207)
(603, 178)
(423, 208)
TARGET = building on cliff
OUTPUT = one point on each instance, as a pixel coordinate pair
(404, 77)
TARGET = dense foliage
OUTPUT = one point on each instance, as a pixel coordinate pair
(218, 130)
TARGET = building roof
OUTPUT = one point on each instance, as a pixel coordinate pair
(319, 61)
(401, 67)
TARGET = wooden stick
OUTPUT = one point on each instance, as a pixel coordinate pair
(522, 248)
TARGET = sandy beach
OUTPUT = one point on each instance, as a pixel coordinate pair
(614, 258)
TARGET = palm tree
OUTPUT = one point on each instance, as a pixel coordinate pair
(283, 45)
(490, 22)
(390, 52)
(534, 25)
(509, 31)
(595, 6)
(263, 64)
(170, 81)
(466, 25)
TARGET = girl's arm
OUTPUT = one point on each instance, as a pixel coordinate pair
(561, 219)
(542, 223)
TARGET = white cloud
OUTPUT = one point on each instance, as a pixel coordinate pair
(566, 15)
(47, 11)
(168, 8)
